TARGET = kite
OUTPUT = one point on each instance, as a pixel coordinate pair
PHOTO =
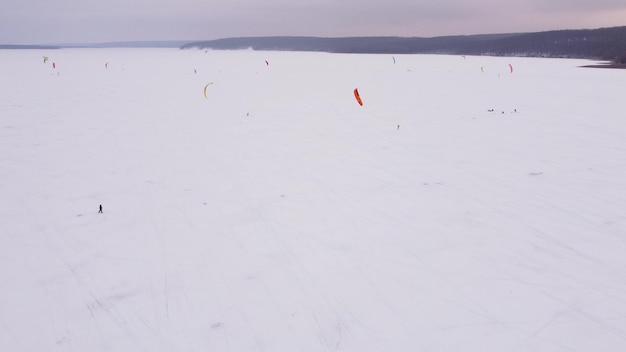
(205, 87)
(358, 97)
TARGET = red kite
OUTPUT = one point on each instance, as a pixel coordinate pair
(358, 97)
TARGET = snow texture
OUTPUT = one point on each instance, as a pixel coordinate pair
(461, 208)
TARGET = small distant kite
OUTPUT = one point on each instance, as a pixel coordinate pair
(205, 87)
(357, 96)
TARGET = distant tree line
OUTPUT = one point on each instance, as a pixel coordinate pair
(15, 46)
(599, 44)
(607, 44)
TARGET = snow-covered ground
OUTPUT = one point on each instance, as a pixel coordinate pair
(279, 215)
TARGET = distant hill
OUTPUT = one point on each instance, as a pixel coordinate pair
(607, 44)
(15, 46)
(599, 44)
(133, 44)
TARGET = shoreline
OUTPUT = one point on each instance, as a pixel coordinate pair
(613, 65)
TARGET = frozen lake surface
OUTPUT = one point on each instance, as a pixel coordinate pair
(463, 207)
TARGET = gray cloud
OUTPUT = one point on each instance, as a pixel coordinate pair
(39, 21)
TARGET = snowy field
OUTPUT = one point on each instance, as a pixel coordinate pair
(461, 208)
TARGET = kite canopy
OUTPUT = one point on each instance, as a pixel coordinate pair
(357, 96)
(205, 87)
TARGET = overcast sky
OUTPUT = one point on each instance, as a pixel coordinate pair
(94, 21)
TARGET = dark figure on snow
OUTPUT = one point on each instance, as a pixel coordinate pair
(100, 211)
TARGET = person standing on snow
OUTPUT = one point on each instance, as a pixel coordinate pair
(100, 211)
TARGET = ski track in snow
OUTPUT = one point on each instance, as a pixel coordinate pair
(455, 210)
